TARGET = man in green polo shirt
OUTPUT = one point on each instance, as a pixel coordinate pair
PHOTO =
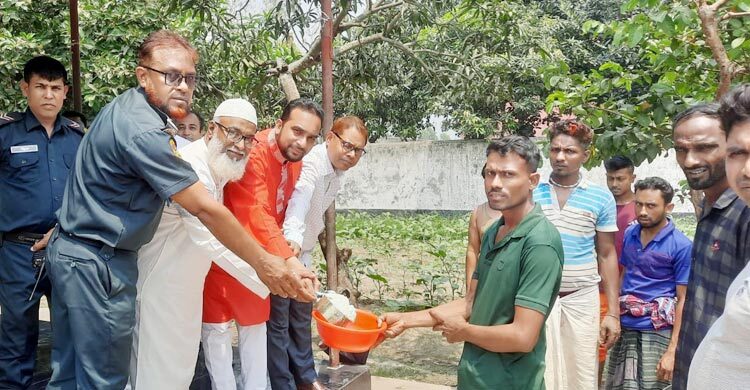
(501, 320)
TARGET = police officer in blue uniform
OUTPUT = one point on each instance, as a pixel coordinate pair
(37, 148)
(126, 168)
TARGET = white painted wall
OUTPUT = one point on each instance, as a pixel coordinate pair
(445, 175)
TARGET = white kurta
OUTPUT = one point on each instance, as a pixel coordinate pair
(171, 272)
(722, 360)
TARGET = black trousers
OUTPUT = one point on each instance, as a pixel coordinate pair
(290, 357)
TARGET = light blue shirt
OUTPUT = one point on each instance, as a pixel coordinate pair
(590, 208)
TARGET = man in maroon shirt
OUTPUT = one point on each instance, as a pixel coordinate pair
(620, 178)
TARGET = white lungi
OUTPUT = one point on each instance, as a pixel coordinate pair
(572, 331)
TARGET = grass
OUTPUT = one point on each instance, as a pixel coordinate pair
(412, 260)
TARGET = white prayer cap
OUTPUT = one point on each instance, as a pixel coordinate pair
(237, 108)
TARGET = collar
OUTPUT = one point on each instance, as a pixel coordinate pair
(527, 224)
(585, 183)
(274, 146)
(170, 127)
(726, 199)
(663, 233)
(32, 123)
(322, 149)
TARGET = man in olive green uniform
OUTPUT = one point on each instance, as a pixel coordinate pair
(501, 320)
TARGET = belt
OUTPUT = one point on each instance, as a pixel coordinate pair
(94, 243)
(565, 294)
(81, 239)
(20, 237)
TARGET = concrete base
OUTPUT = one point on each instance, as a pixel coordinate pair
(344, 377)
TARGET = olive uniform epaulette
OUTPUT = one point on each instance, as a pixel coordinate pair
(10, 118)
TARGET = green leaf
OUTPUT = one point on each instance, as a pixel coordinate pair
(378, 278)
(643, 120)
(661, 88)
(635, 36)
(737, 42)
(611, 65)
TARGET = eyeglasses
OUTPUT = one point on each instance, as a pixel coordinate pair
(174, 79)
(235, 135)
(349, 147)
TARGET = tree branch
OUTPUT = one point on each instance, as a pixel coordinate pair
(710, 27)
(409, 52)
(718, 4)
(346, 26)
(380, 6)
(340, 17)
(362, 17)
(310, 58)
(730, 15)
(359, 42)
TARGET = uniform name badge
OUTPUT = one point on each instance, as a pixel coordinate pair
(23, 149)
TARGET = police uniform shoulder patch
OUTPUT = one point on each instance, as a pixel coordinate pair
(71, 124)
(10, 118)
(173, 146)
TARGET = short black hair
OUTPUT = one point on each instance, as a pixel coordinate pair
(71, 114)
(201, 122)
(735, 107)
(619, 162)
(520, 145)
(45, 67)
(710, 110)
(304, 104)
(656, 183)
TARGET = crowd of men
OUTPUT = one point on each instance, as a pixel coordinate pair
(675, 313)
(147, 249)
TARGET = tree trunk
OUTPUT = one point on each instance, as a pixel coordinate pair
(343, 255)
(286, 80)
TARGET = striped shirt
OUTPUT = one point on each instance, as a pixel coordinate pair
(590, 208)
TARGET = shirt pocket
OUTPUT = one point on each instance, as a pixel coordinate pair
(68, 158)
(24, 167)
(657, 266)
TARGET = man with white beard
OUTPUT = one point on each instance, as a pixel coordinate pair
(173, 266)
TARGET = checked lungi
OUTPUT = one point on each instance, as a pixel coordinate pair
(632, 361)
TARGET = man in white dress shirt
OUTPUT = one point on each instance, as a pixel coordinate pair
(173, 266)
(314, 192)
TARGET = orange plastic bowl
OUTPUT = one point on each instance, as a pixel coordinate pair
(359, 336)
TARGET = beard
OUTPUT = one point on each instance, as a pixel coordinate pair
(650, 223)
(289, 157)
(171, 111)
(222, 166)
(715, 174)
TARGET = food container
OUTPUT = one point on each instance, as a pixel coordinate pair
(335, 308)
(358, 336)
